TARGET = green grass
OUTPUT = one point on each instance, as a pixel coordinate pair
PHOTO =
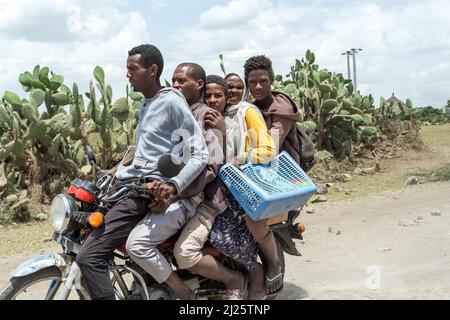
(436, 174)
(436, 137)
(28, 237)
(428, 165)
(33, 236)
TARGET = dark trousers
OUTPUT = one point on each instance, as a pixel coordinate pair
(98, 248)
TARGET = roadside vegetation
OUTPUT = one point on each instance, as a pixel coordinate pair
(35, 236)
(43, 137)
(362, 146)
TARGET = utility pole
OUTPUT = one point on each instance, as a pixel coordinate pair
(348, 53)
(354, 52)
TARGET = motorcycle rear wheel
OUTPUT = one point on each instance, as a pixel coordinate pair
(15, 286)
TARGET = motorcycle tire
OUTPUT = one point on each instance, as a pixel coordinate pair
(16, 285)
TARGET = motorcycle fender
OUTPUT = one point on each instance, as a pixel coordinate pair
(283, 235)
(40, 262)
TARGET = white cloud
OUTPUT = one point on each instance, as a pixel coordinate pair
(397, 41)
(83, 35)
(235, 13)
(405, 44)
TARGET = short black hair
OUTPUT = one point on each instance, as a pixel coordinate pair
(258, 63)
(196, 72)
(212, 78)
(149, 55)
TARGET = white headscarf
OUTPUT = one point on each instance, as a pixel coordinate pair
(236, 124)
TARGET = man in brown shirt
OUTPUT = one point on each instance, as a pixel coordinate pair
(190, 79)
(280, 115)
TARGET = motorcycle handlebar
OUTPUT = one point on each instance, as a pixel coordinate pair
(136, 186)
(141, 188)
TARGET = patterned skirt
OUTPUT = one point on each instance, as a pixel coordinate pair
(231, 236)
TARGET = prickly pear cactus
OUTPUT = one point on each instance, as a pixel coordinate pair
(120, 109)
(329, 101)
(59, 124)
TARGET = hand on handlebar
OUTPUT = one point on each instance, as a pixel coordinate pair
(152, 187)
(165, 194)
(161, 190)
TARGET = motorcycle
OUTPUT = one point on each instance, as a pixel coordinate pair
(78, 211)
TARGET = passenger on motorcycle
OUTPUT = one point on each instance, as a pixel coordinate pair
(163, 114)
(195, 233)
(280, 115)
(230, 234)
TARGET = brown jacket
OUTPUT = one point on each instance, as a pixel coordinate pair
(281, 117)
(208, 181)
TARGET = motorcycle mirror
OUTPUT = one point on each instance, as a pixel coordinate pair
(91, 157)
(90, 154)
(169, 166)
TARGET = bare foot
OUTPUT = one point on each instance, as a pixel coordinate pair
(257, 290)
(179, 289)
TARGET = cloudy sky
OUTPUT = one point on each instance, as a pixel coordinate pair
(405, 43)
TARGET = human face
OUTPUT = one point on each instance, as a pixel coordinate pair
(259, 83)
(215, 97)
(142, 79)
(235, 90)
(183, 81)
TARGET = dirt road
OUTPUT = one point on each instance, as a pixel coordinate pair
(384, 246)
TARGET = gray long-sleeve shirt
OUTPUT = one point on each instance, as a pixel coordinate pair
(167, 126)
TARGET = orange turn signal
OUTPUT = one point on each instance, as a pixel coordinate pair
(96, 219)
(301, 226)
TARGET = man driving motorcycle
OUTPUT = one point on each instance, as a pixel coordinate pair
(163, 114)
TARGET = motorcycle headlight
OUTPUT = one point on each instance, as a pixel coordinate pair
(62, 207)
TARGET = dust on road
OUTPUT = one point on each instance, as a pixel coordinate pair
(391, 245)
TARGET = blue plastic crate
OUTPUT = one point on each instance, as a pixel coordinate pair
(264, 191)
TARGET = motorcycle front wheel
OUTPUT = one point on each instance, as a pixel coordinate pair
(40, 285)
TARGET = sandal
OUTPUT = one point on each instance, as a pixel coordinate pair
(275, 284)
